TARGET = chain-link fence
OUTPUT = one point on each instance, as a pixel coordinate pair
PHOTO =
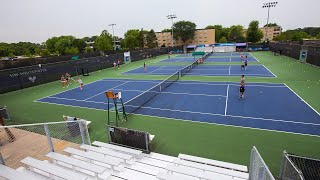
(36, 140)
(297, 167)
(258, 169)
(292, 49)
(19, 78)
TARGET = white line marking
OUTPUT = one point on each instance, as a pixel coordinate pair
(157, 69)
(269, 70)
(210, 123)
(254, 57)
(229, 69)
(106, 90)
(302, 99)
(190, 121)
(189, 94)
(75, 88)
(231, 84)
(243, 117)
(226, 107)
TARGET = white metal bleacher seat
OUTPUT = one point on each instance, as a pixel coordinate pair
(110, 161)
(52, 169)
(12, 174)
(78, 163)
(222, 164)
(136, 153)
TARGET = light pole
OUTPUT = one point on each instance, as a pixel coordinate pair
(173, 16)
(114, 40)
(268, 5)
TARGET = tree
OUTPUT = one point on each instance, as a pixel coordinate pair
(318, 36)
(142, 38)
(271, 25)
(152, 39)
(184, 30)
(88, 49)
(63, 43)
(299, 36)
(104, 41)
(79, 43)
(236, 34)
(254, 34)
(71, 50)
(223, 40)
(131, 39)
(50, 44)
(166, 30)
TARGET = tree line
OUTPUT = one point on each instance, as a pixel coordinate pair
(135, 38)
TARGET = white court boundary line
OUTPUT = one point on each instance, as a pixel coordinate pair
(302, 99)
(243, 117)
(254, 57)
(226, 107)
(105, 90)
(154, 70)
(210, 123)
(269, 70)
(78, 87)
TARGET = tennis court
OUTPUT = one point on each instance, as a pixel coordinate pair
(267, 106)
(206, 70)
(215, 57)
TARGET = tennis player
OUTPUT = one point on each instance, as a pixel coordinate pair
(114, 64)
(145, 66)
(242, 88)
(68, 78)
(63, 81)
(80, 83)
(119, 63)
(246, 63)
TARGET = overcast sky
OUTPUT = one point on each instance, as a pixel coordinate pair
(37, 20)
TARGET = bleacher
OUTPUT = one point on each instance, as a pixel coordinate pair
(107, 161)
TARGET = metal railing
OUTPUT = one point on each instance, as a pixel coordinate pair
(258, 169)
(36, 140)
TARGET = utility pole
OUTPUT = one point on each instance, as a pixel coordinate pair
(268, 5)
(114, 40)
(173, 16)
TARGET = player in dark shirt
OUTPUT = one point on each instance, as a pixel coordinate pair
(242, 88)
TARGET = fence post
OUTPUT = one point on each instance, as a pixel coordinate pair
(283, 165)
(82, 132)
(46, 129)
(1, 159)
(251, 163)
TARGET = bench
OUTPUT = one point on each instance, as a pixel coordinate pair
(166, 176)
(197, 173)
(53, 169)
(12, 174)
(106, 152)
(219, 170)
(76, 163)
(135, 152)
(95, 157)
(69, 118)
(222, 164)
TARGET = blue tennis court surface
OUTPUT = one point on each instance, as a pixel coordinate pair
(267, 106)
(206, 70)
(221, 57)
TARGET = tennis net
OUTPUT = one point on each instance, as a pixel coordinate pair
(137, 102)
(188, 68)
